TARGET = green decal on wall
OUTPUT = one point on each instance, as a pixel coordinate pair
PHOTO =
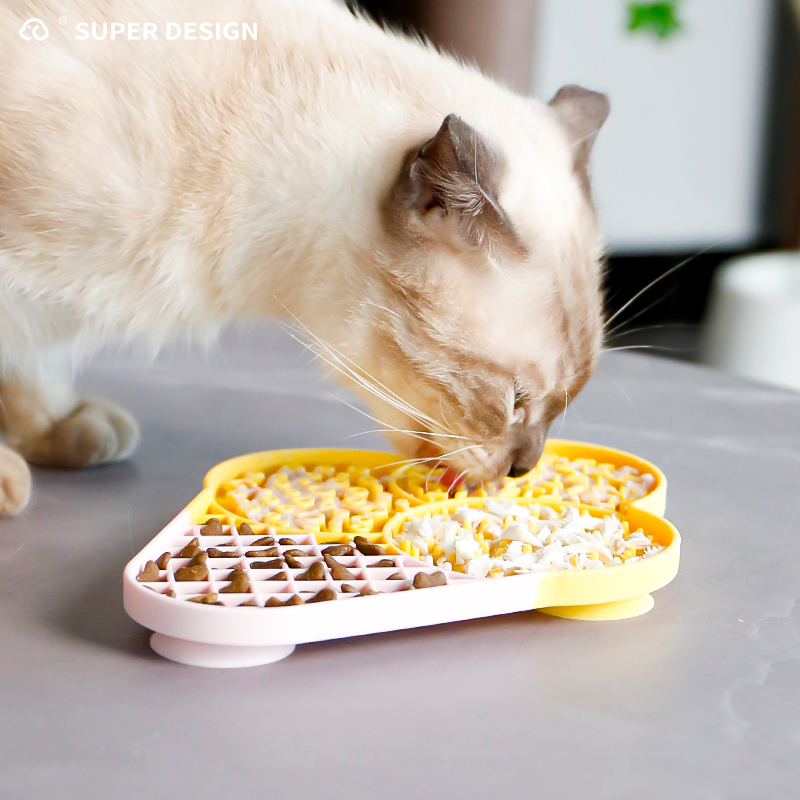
(660, 19)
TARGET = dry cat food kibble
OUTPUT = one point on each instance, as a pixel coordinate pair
(368, 548)
(322, 595)
(191, 549)
(238, 582)
(508, 538)
(269, 552)
(339, 572)
(423, 580)
(294, 600)
(338, 550)
(149, 573)
(276, 563)
(316, 572)
(349, 500)
(163, 560)
(206, 599)
(195, 570)
(580, 480)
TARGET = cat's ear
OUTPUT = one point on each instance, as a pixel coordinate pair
(455, 175)
(582, 114)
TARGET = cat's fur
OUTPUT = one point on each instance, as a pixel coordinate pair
(431, 228)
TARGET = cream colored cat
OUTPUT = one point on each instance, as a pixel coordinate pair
(432, 230)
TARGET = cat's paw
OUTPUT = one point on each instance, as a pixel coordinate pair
(15, 482)
(96, 432)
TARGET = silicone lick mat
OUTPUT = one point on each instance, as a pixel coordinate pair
(237, 628)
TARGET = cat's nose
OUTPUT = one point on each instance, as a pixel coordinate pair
(517, 472)
(527, 456)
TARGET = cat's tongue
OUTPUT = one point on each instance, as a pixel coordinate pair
(452, 479)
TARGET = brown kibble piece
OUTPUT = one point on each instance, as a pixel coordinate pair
(195, 570)
(339, 572)
(214, 553)
(239, 582)
(286, 540)
(198, 572)
(267, 552)
(248, 604)
(316, 572)
(338, 550)
(245, 530)
(297, 553)
(424, 581)
(385, 562)
(191, 549)
(163, 560)
(348, 589)
(264, 540)
(278, 576)
(396, 577)
(149, 573)
(206, 599)
(293, 563)
(276, 563)
(212, 528)
(367, 548)
(366, 592)
(170, 593)
(294, 600)
(322, 595)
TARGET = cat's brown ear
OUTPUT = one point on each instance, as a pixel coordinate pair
(457, 174)
(582, 113)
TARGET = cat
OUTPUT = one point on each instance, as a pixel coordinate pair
(430, 233)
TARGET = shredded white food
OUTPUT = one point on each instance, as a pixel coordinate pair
(507, 538)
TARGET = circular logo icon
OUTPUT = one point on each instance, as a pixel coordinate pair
(34, 29)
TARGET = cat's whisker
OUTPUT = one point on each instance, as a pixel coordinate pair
(563, 413)
(430, 472)
(382, 308)
(344, 370)
(362, 377)
(409, 432)
(618, 334)
(636, 347)
(432, 458)
(380, 422)
(335, 362)
(457, 481)
(614, 331)
(657, 281)
(371, 382)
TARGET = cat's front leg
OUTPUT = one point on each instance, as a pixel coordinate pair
(15, 482)
(51, 427)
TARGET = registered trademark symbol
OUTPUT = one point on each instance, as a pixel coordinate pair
(62, 20)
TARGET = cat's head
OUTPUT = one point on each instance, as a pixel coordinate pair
(486, 317)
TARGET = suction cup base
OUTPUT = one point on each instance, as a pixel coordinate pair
(621, 609)
(216, 656)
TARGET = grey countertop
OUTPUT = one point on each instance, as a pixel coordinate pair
(700, 698)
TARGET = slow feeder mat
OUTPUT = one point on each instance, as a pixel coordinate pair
(242, 626)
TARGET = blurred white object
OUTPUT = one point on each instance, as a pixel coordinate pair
(753, 324)
(677, 165)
